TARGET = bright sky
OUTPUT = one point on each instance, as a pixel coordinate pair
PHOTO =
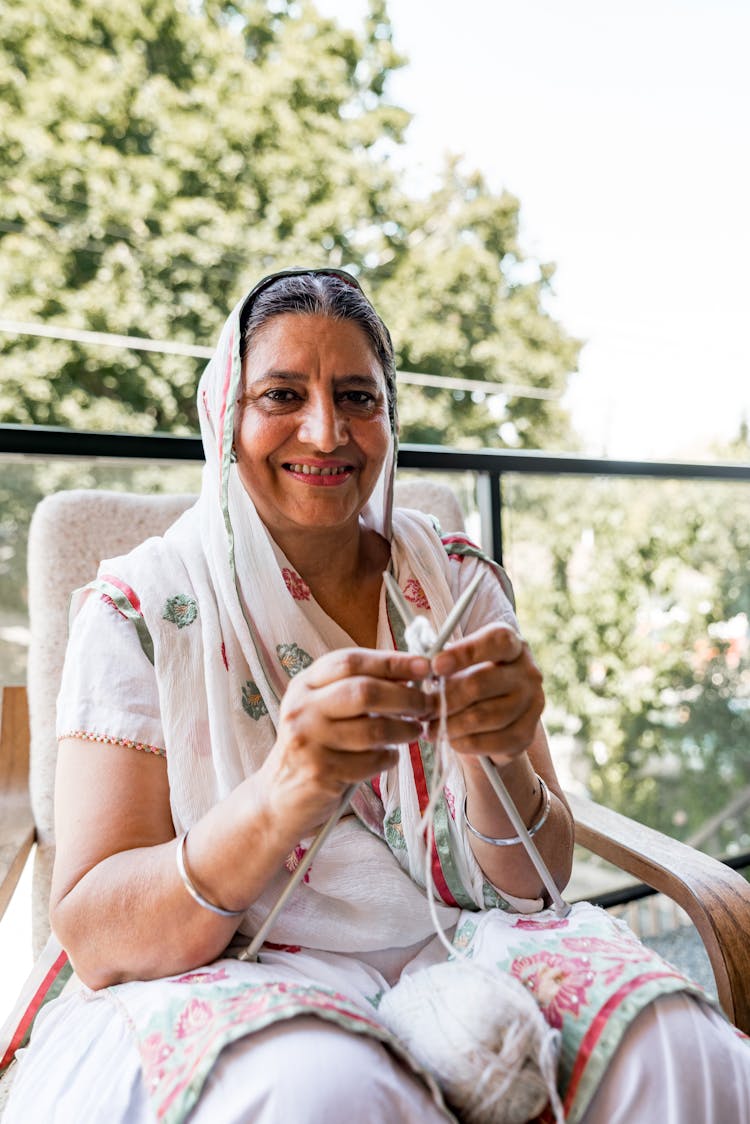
(624, 129)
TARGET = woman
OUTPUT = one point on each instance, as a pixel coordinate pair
(245, 671)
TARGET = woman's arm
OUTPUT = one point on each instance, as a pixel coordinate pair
(494, 703)
(118, 904)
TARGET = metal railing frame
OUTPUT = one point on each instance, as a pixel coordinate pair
(490, 466)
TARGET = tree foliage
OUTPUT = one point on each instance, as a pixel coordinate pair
(162, 155)
(636, 598)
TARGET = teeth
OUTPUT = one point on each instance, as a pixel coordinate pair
(313, 470)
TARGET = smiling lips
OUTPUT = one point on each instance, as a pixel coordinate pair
(321, 475)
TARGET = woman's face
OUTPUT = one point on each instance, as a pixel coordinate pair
(313, 427)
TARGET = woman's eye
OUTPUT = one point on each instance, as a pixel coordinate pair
(278, 394)
(358, 397)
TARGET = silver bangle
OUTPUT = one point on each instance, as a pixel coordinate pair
(515, 838)
(194, 893)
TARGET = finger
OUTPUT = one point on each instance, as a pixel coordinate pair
(497, 643)
(362, 734)
(494, 717)
(347, 662)
(359, 695)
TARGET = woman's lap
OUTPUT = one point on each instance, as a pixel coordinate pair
(679, 1062)
(306, 1071)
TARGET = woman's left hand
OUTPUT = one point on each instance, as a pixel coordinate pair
(494, 696)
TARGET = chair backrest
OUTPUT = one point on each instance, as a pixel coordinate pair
(71, 532)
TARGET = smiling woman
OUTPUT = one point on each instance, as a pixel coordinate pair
(226, 687)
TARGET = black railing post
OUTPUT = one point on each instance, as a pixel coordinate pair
(489, 501)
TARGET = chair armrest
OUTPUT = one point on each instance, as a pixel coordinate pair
(715, 897)
(16, 819)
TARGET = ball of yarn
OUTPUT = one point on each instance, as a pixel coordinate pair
(483, 1038)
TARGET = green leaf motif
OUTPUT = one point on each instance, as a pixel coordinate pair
(180, 610)
(252, 701)
(293, 658)
(394, 831)
(493, 900)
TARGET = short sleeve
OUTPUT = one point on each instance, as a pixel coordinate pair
(108, 691)
(491, 603)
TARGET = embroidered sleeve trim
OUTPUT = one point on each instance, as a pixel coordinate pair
(105, 739)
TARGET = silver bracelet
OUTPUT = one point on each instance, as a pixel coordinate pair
(515, 838)
(194, 893)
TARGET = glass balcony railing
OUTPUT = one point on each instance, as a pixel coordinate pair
(633, 589)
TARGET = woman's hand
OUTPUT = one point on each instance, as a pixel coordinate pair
(493, 693)
(340, 723)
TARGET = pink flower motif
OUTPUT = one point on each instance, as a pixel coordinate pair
(155, 1052)
(530, 924)
(298, 588)
(413, 592)
(210, 976)
(194, 1018)
(294, 859)
(621, 948)
(558, 983)
(450, 800)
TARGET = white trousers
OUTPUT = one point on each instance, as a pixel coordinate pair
(679, 1063)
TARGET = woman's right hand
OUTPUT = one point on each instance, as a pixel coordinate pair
(340, 721)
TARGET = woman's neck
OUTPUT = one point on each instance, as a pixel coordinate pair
(345, 577)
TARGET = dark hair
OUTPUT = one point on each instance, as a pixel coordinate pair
(319, 293)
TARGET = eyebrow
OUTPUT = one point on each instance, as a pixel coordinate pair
(275, 375)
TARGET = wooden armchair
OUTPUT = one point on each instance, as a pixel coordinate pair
(72, 531)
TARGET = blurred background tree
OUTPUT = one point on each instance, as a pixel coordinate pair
(160, 156)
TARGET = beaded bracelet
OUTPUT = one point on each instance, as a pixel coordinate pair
(191, 889)
(515, 838)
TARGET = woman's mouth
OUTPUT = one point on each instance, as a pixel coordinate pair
(325, 475)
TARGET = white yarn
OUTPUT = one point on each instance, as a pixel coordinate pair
(479, 1033)
(482, 1036)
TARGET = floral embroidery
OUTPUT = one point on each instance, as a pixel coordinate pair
(293, 658)
(196, 1015)
(450, 800)
(558, 983)
(394, 831)
(531, 925)
(209, 976)
(252, 701)
(156, 1053)
(180, 610)
(298, 588)
(615, 953)
(413, 592)
(293, 860)
(374, 1000)
(463, 937)
(105, 739)
(492, 899)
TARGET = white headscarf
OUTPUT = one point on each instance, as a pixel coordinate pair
(230, 622)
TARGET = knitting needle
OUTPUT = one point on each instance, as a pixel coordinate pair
(407, 615)
(506, 802)
(562, 908)
(251, 952)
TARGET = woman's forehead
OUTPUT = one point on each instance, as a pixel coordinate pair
(302, 343)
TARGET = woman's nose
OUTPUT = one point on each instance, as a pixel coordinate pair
(323, 426)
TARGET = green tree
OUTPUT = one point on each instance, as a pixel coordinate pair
(160, 155)
(635, 597)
